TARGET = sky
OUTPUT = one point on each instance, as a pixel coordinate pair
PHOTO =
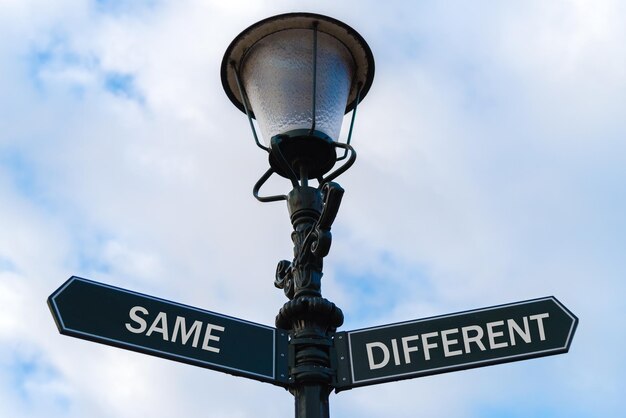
(491, 169)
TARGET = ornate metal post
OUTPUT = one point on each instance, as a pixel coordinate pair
(310, 319)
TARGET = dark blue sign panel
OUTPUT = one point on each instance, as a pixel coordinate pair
(110, 315)
(457, 341)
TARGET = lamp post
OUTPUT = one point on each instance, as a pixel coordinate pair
(297, 74)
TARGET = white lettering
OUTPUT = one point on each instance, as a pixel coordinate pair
(181, 325)
(447, 343)
(208, 337)
(394, 348)
(539, 319)
(370, 355)
(160, 319)
(426, 346)
(160, 326)
(525, 333)
(406, 349)
(475, 339)
(133, 316)
(491, 334)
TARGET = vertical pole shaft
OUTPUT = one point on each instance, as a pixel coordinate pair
(312, 401)
(304, 176)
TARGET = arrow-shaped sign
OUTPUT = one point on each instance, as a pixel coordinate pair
(482, 337)
(110, 315)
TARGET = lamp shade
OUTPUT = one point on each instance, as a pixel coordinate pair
(278, 77)
(300, 71)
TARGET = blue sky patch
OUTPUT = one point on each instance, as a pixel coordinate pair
(122, 85)
(27, 373)
(6, 264)
(536, 411)
(56, 62)
(117, 7)
(23, 173)
(380, 288)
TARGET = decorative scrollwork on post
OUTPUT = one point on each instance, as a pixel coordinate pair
(312, 214)
(284, 278)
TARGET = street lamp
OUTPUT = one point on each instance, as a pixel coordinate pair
(297, 74)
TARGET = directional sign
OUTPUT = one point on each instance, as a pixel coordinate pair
(110, 315)
(482, 337)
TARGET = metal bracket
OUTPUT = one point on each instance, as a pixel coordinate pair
(246, 106)
(356, 104)
(261, 182)
(347, 147)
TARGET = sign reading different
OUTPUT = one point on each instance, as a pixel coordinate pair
(457, 341)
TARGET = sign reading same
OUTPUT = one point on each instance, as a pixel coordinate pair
(457, 341)
(110, 315)
(98, 312)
